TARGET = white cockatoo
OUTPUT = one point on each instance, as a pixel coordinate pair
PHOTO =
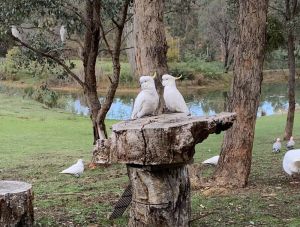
(212, 161)
(277, 146)
(15, 32)
(147, 100)
(76, 169)
(173, 98)
(63, 33)
(291, 162)
(290, 144)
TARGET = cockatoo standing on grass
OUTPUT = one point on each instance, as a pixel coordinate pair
(63, 34)
(76, 169)
(15, 32)
(277, 146)
(173, 98)
(147, 100)
(290, 144)
(291, 162)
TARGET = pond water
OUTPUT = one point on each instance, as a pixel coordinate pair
(273, 100)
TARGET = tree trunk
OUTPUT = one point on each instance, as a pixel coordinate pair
(150, 41)
(130, 35)
(16, 207)
(91, 46)
(292, 73)
(235, 159)
(160, 197)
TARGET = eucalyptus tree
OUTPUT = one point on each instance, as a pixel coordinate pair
(288, 12)
(236, 154)
(88, 24)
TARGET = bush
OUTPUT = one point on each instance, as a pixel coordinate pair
(43, 95)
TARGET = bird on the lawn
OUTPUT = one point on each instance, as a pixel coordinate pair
(173, 98)
(291, 163)
(15, 32)
(63, 34)
(76, 169)
(212, 161)
(147, 100)
(277, 146)
(290, 144)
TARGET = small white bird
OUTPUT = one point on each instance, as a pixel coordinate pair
(173, 98)
(212, 161)
(147, 100)
(15, 32)
(76, 169)
(291, 162)
(277, 146)
(63, 34)
(290, 144)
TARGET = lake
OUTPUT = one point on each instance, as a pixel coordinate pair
(273, 100)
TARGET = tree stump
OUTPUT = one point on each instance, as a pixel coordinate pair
(16, 207)
(156, 151)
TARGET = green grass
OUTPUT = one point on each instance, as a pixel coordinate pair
(36, 143)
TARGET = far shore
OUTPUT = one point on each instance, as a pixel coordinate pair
(270, 76)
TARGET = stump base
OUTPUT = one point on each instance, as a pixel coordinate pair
(16, 204)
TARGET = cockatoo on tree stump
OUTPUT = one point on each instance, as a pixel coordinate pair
(291, 163)
(15, 32)
(147, 100)
(290, 144)
(277, 146)
(63, 34)
(76, 169)
(173, 98)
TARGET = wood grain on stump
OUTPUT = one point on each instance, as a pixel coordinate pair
(16, 207)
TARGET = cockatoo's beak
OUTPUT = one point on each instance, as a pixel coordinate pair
(154, 75)
(177, 78)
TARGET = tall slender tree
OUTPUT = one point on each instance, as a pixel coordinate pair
(291, 11)
(235, 159)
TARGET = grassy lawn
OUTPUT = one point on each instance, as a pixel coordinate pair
(36, 143)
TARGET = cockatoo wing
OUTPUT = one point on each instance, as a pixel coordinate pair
(145, 103)
(75, 169)
(138, 104)
(213, 160)
(174, 100)
(291, 162)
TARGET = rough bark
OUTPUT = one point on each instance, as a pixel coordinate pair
(235, 159)
(160, 198)
(16, 207)
(291, 11)
(150, 41)
(130, 39)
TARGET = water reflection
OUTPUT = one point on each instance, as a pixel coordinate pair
(273, 100)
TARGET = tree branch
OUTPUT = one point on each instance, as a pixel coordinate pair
(65, 67)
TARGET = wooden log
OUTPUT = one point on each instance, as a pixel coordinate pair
(16, 207)
(160, 197)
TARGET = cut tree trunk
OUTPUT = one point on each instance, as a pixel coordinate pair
(150, 41)
(156, 151)
(160, 197)
(235, 160)
(291, 85)
(16, 204)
